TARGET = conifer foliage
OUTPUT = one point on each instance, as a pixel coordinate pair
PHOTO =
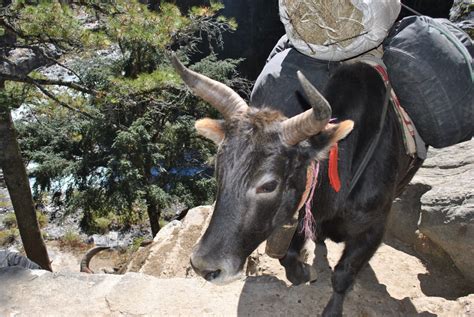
(110, 123)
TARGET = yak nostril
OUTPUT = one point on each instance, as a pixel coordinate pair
(209, 276)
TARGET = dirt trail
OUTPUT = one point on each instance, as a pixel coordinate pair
(395, 283)
(67, 259)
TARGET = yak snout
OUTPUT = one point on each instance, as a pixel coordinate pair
(213, 268)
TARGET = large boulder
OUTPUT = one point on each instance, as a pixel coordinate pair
(168, 255)
(438, 206)
(447, 210)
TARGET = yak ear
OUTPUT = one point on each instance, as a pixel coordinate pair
(332, 133)
(339, 131)
(211, 129)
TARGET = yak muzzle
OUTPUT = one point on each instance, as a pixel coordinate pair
(214, 268)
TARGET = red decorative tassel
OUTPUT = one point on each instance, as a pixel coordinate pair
(333, 169)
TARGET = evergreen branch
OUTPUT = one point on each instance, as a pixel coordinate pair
(48, 82)
(44, 53)
(69, 84)
(61, 103)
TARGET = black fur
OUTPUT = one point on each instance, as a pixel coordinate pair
(357, 92)
(253, 147)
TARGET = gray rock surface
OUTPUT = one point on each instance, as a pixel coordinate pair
(447, 209)
(388, 287)
(439, 203)
(405, 213)
(175, 241)
(395, 283)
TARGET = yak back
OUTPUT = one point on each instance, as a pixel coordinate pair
(355, 91)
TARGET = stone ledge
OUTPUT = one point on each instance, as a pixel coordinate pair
(40, 293)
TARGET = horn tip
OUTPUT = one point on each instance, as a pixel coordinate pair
(176, 62)
(300, 76)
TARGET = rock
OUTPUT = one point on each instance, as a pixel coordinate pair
(462, 10)
(447, 211)
(439, 203)
(403, 218)
(389, 286)
(168, 255)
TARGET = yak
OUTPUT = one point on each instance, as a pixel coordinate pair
(261, 170)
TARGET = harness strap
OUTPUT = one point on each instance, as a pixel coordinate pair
(408, 129)
(375, 141)
(279, 241)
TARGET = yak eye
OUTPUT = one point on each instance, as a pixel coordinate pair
(268, 187)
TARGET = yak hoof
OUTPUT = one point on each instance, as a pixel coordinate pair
(334, 307)
(298, 272)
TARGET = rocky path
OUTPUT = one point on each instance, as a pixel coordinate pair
(394, 284)
(397, 281)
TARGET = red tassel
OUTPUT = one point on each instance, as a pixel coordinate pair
(333, 169)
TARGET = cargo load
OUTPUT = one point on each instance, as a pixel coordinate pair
(278, 86)
(431, 70)
(335, 30)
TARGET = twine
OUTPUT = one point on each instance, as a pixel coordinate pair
(322, 22)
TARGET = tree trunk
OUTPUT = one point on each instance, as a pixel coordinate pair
(154, 216)
(18, 186)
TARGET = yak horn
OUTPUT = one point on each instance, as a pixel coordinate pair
(88, 257)
(218, 95)
(310, 122)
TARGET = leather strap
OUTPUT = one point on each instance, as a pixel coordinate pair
(279, 241)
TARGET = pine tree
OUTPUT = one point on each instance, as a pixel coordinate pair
(120, 126)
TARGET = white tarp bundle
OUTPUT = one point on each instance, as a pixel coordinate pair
(335, 30)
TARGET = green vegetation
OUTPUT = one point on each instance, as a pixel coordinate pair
(136, 244)
(8, 236)
(5, 204)
(163, 222)
(9, 220)
(102, 224)
(71, 239)
(120, 130)
(42, 219)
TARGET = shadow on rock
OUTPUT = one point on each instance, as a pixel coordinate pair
(442, 278)
(269, 296)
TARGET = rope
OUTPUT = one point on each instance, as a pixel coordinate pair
(411, 10)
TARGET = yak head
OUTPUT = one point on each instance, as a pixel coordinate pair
(261, 166)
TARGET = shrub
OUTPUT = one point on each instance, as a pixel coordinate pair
(102, 224)
(136, 244)
(71, 239)
(9, 220)
(5, 204)
(163, 222)
(8, 236)
(42, 219)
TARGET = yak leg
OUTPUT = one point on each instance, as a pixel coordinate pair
(297, 272)
(357, 253)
